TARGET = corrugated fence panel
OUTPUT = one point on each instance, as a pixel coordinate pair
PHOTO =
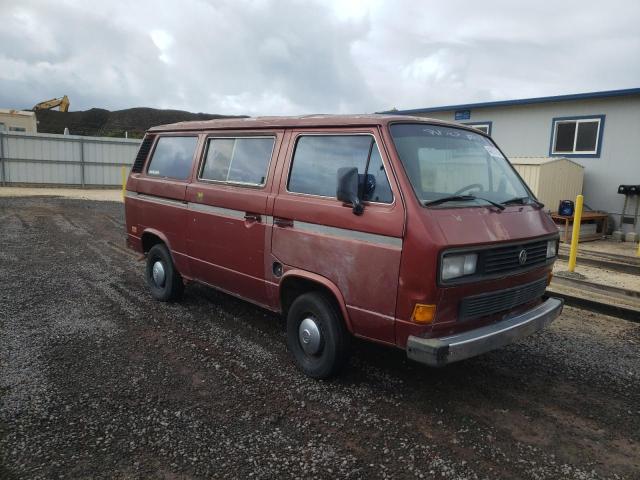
(104, 161)
(31, 147)
(103, 175)
(64, 159)
(110, 152)
(21, 172)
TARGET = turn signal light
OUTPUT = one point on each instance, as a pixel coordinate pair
(423, 313)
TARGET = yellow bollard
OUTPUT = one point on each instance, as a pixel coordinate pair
(124, 181)
(575, 233)
(638, 252)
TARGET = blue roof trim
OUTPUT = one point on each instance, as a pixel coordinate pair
(522, 101)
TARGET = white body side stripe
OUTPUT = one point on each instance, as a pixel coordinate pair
(227, 212)
(155, 199)
(346, 233)
(268, 220)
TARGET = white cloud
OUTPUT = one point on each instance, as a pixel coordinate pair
(431, 68)
(295, 57)
(163, 40)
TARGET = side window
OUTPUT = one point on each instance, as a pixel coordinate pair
(379, 190)
(317, 159)
(173, 157)
(238, 160)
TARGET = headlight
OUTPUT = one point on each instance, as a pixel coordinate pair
(454, 266)
(552, 248)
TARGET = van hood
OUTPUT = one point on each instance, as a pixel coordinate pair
(479, 225)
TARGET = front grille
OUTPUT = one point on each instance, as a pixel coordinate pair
(494, 302)
(505, 259)
(142, 154)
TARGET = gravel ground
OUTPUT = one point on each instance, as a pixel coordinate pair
(601, 275)
(97, 380)
(103, 194)
(608, 246)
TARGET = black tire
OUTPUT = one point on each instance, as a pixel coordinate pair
(335, 345)
(172, 286)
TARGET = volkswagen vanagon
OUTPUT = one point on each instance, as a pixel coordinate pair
(409, 232)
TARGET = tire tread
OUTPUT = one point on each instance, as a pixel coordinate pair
(329, 314)
(174, 286)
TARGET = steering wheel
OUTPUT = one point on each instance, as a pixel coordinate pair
(469, 187)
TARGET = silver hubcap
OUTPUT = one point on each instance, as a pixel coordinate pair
(310, 336)
(158, 273)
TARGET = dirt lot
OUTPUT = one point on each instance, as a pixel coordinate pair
(97, 380)
(601, 275)
(628, 249)
(102, 194)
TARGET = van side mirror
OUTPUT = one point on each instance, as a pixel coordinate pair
(347, 188)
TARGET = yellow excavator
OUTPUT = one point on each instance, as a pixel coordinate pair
(62, 103)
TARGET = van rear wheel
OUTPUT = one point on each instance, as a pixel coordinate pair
(161, 275)
(317, 336)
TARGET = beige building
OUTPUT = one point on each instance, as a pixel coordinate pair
(17, 121)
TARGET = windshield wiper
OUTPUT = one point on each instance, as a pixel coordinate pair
(461, 198)
(521, 201)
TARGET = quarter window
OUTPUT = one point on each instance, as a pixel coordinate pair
(379, 190)
(577, 136)
(173, 157)
(317, 159)
(238, 160)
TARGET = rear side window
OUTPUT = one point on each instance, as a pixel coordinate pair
(238, 160)
(173, 157)
(317, 159)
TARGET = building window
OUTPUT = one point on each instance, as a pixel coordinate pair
(17, 129)
(577, 136)
(484, 127)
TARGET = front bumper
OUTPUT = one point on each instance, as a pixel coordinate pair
(441, 351)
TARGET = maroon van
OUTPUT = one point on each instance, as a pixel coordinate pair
(406, 231)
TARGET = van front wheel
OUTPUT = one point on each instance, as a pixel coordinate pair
(163, 279)
(317, 336)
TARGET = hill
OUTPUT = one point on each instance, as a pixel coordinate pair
(104, 123)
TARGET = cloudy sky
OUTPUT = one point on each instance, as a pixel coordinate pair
(267, 57)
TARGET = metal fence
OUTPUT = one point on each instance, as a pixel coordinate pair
(64, 159)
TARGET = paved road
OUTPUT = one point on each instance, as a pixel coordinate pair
(97, 380)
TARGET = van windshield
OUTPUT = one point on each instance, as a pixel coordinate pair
(444, 162)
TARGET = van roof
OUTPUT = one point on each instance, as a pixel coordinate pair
(299, 121)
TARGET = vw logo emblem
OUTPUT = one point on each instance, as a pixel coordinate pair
(522, 257)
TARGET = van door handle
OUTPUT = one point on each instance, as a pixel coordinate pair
(282, 222)
(252, 217)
